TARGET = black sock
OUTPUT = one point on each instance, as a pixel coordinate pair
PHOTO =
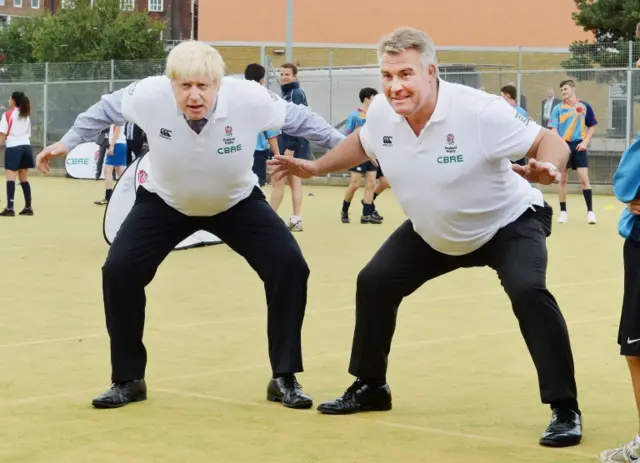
(367, 209)
(107, 194)
(11, 193)
(374, 382)
(588, 199)
(567, 404)
(345, 206)
(283, 375)
(375, 195)
(26, 190)
(563, 206)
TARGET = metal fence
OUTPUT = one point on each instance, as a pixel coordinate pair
(332, 79)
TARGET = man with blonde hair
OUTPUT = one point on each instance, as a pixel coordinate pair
(447, 150)
(201, 130)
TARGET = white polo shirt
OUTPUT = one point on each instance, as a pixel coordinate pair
(454, 181)
(20, 130)
(207, 173)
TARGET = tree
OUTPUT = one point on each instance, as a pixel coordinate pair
(613, 23)
(82, 32)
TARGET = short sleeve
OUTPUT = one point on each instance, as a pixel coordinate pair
(366, 141)
(270, 109)
(590, 118)
(4, 126)
(504, 133)
(272, 133)
(350, 125)
(136, 99)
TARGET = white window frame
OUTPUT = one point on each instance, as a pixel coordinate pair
(17, 3)
(156, 6)
(35, 4)
(127, 5)
(1, 2)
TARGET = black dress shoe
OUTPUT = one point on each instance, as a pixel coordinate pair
(564, 430)
(287, 390)
(359, 397)
(120, 394)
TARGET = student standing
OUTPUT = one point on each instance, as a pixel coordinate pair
(15, 130)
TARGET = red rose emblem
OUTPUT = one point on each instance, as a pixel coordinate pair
(579, 109)
(142, 177)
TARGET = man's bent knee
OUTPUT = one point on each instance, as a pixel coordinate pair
(289, 261)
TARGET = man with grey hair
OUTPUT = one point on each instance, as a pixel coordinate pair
(201, 130)
(447, 150)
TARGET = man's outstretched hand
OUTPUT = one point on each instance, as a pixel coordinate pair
(283, 166)
(544, 173)
(50, 152)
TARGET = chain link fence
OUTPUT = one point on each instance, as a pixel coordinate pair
(606, 77)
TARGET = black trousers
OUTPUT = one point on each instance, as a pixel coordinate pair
(517, 253)
(251, 228)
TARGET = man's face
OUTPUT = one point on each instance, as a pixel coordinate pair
(550, 94)
(406, 81)
(196, 96)
(567, 91)
(286, 76)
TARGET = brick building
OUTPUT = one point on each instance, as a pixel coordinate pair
(177, 13)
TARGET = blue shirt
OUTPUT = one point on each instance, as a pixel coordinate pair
(262, 144)
(572, 121)
(521, 111)
(626, 186)
(356, 119)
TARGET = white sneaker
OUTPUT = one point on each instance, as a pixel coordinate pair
(591, 217)
(564, 217)
(295, 226)
(628, 453)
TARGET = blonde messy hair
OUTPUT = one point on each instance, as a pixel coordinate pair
(193, 58)
(408, 38)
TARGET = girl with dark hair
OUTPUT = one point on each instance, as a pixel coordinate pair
(15, 131)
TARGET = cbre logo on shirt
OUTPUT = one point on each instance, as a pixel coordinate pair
(230, 149)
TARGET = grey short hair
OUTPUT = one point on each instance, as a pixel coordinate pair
(408, 38)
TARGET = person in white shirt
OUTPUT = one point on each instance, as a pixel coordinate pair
(115, 160)
(15, 131)
(201, 129)
(447, 150)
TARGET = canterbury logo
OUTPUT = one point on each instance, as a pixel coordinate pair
(387, 141)
(165, 133)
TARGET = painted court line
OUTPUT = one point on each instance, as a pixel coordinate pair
(264, 365)
(405, 426)
(310, 312)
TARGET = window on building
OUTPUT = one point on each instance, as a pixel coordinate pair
(17, 3)
(1, 2)
(35, 3)
(126, 5)
(155, 5)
